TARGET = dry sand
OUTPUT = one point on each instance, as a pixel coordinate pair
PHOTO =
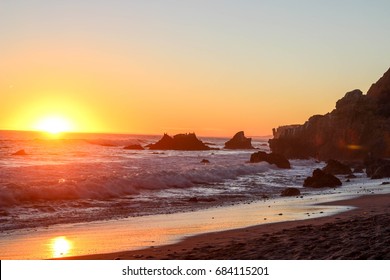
(362, 233)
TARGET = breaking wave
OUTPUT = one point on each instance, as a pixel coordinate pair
(122, 183)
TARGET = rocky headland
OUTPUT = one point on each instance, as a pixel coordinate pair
(358, 128)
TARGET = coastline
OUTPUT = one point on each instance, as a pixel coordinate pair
(204, 231)
(360, 233)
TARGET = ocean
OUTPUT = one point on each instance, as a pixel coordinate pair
(84, 179)
(88, 177)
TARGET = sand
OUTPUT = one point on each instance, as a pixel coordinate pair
(361, 233)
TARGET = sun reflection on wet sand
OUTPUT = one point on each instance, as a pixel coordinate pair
(60, 246)
(145, 231)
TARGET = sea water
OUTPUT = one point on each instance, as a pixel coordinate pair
(71, 178)
(71, 181)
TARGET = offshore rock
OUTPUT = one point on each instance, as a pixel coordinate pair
(272, 158)
(320, 179)
(373, 164)
(382, 172)
(378, 168)
(335, 167)
(358, 127)
(239, 141)
(186, 142)
(290, 192)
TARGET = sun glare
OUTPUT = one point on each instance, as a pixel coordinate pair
(60, 246)
(54, 125)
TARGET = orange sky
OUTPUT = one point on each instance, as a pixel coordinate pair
(167, 67)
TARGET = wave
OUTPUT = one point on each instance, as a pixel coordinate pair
(116, 186)
(112, 142)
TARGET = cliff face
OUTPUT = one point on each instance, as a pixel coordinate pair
(359, 126)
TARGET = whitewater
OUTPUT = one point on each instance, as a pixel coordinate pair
(75, 178)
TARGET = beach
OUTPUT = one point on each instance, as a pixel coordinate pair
(360, 233)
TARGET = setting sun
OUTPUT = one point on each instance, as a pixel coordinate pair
(60, 246)
(54, 125)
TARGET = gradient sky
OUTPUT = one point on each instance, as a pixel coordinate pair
(210, 67)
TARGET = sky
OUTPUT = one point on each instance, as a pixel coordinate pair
(210, 67)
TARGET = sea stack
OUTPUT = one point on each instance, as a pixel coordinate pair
(358, 127)
(239, 141)
(186, 142)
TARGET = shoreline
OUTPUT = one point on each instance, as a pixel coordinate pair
(147, 237)
(360, 233)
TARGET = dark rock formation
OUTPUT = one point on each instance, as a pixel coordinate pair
(205, 161)
(187, 142)
(290, 192)
(20, 153)
(320, 179)
(359, 126)
(382, 171)
(239, 141)
(335, 167)
(134, 147)
(376, 167)
(272, 158)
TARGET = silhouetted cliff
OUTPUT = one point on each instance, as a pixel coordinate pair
(359, 126)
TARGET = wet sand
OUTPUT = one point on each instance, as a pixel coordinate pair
(361, 233)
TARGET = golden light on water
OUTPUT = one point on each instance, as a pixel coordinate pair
(60, 246)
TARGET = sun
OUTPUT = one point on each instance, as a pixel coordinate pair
(54, 125)
(60, 246)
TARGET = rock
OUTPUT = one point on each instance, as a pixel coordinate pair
(382, 171)
(186, 142)
(380, 93)
(290, 192)
(373, 164)
(350, 176)
(272, 158)
(20, 153)
(359, 126)
(239, 141)
(134, 147)
(320, 179)
(335, 167)
(205, 161)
